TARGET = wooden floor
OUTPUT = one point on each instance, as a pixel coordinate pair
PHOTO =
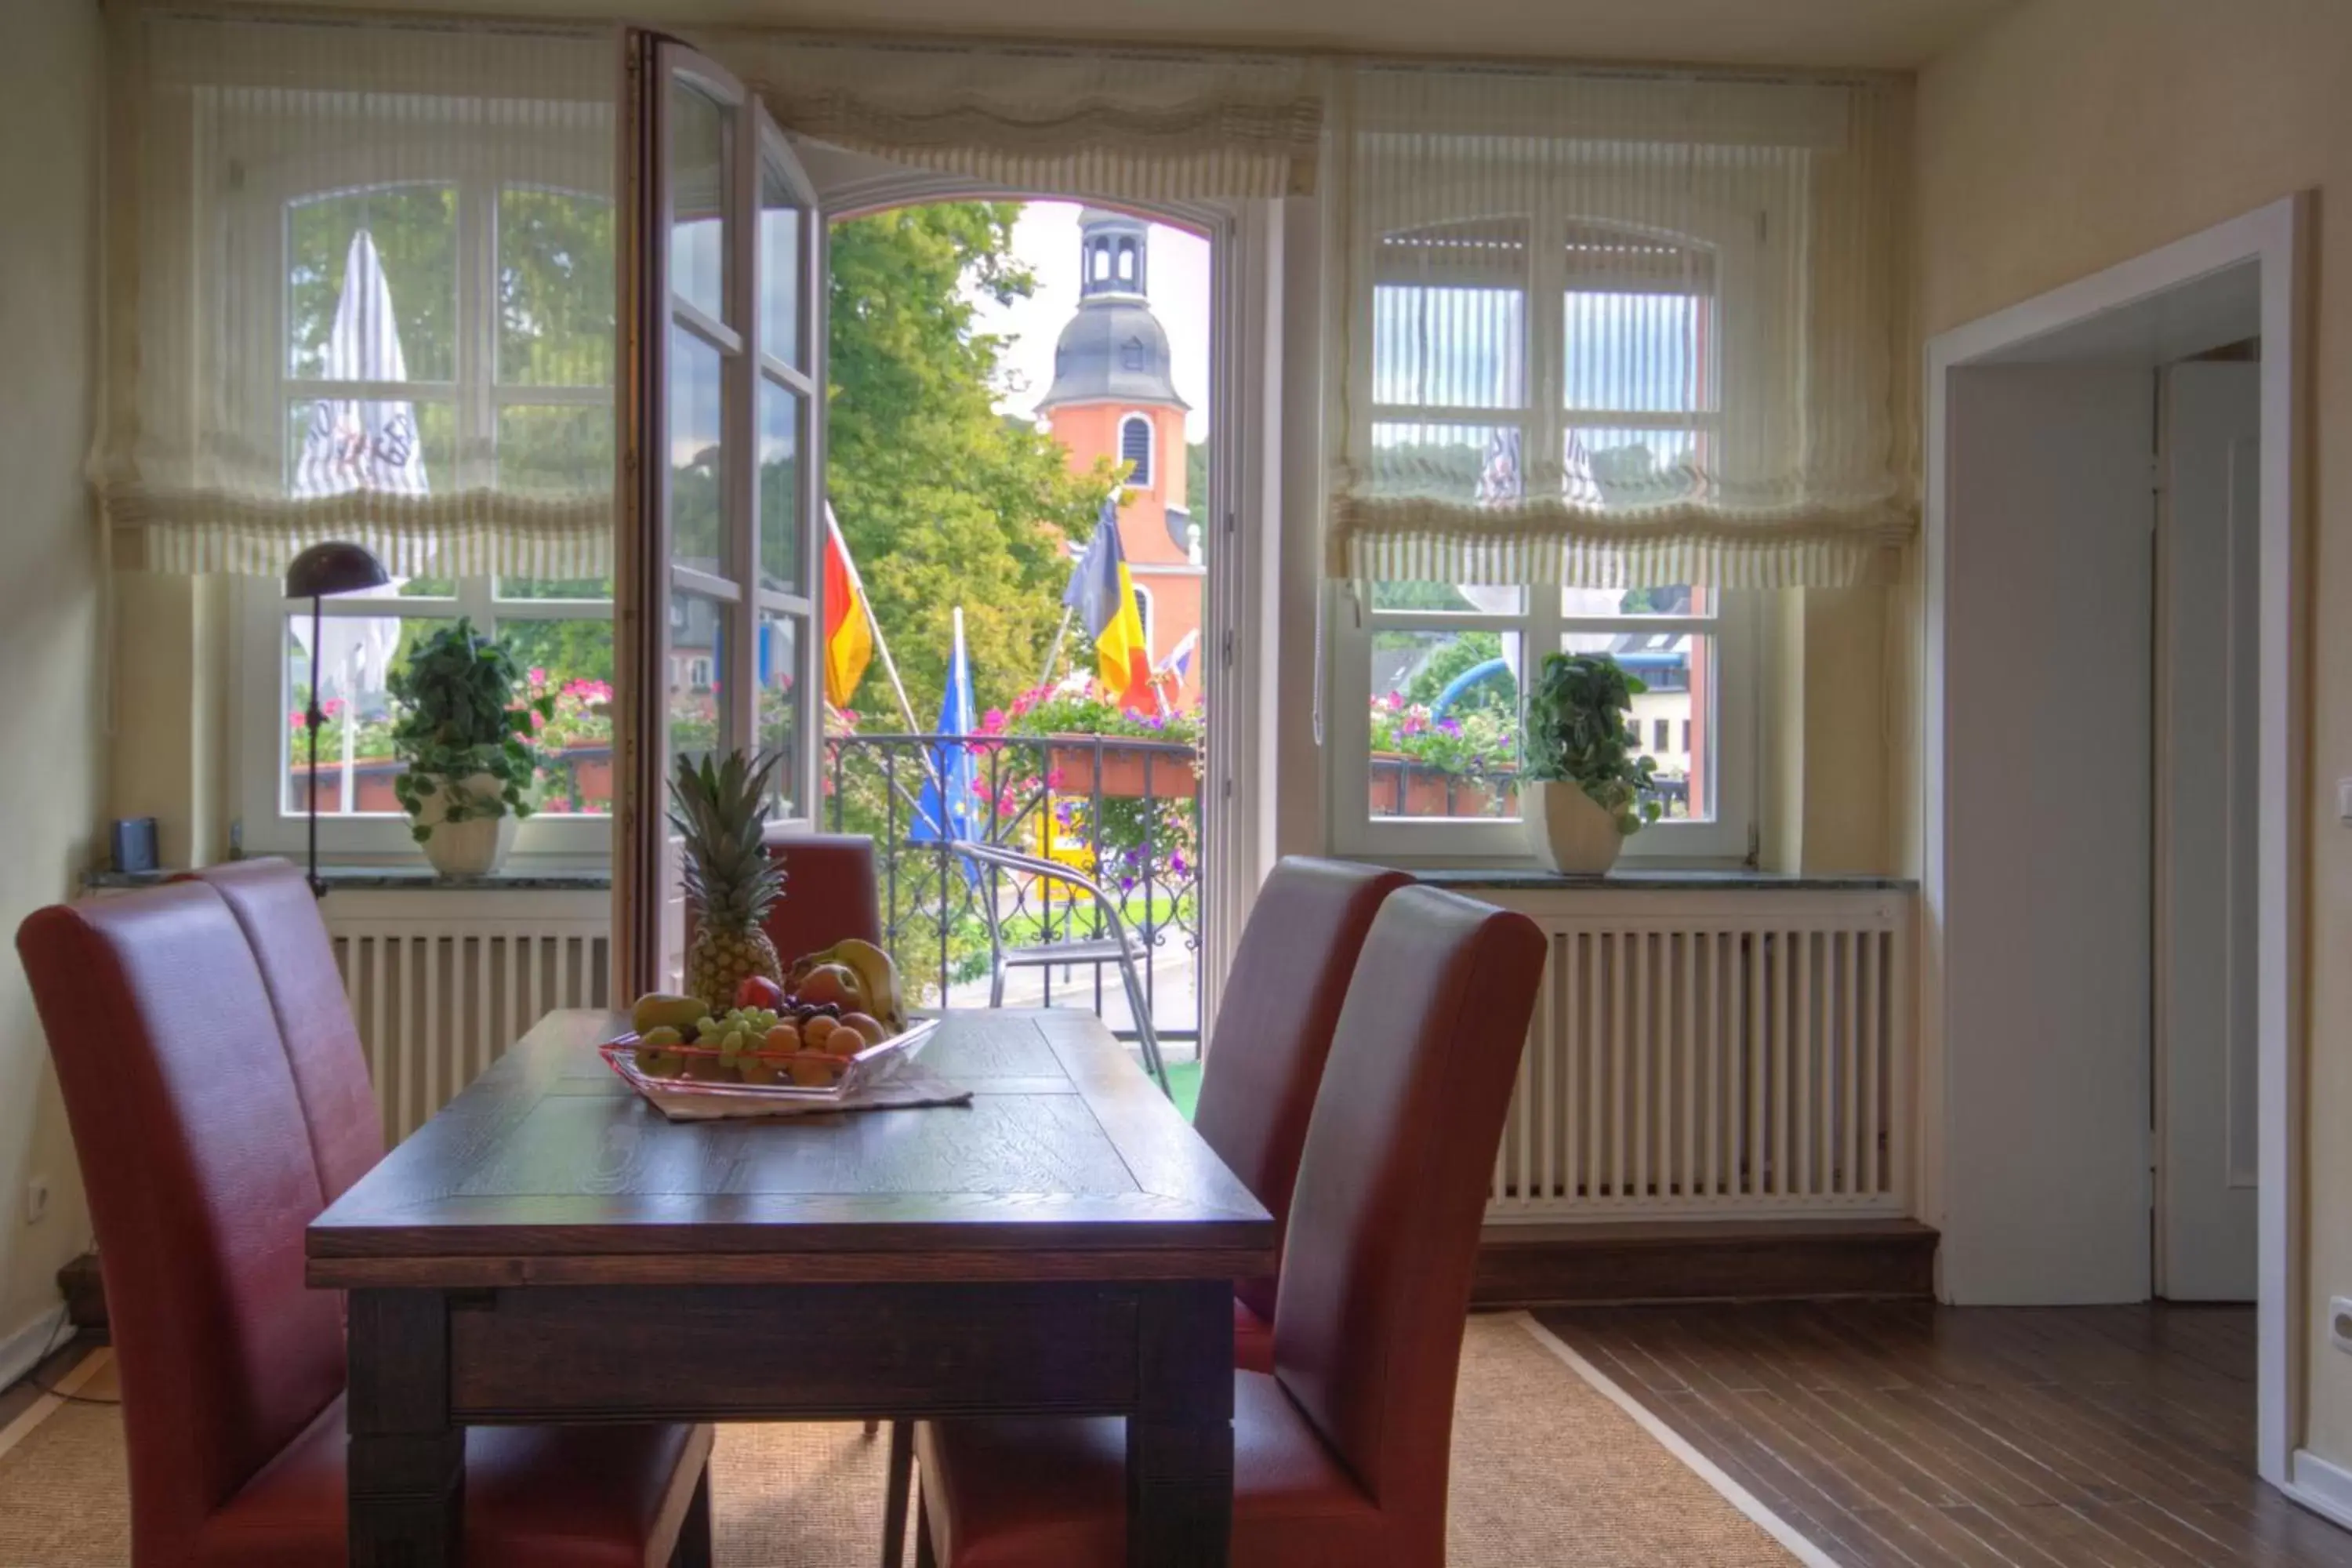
(1904, 1433)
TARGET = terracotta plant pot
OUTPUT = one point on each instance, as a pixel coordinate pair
(474, 847)
(1568, 832)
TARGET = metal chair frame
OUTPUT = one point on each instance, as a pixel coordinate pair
(1123, 948)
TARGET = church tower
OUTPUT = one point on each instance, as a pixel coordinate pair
(1113, 397)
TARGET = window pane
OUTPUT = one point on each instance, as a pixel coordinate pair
(555, 448)
(780, 706)
(555, 288)
(698, 629)
(1476, 463)
(1672, 721)
(1444, 724)
(334, 447)
(1460, 598)
(1608, 468)
(1637, 352)
(1675, 601)
(1449, 316)
(699, 157)
(780, 268)
(696, 494)
(570, 661)
(391, 316)
(780, 487)
(355, 762)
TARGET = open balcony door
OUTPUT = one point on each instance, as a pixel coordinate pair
(721, 470)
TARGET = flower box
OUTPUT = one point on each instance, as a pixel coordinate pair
(1130, 772)
(1401, 787)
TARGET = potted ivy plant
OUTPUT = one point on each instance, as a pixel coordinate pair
(1583, 795)
(466, 736)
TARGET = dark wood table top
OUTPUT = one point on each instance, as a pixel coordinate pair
(1068, 1164)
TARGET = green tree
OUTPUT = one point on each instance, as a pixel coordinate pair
(942, 501)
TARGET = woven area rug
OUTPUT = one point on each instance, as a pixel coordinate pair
(1547, 1469)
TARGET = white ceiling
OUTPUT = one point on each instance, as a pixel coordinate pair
(1874, 33)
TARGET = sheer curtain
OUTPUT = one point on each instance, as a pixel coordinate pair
(1112, 124)
(360, 286)
(1618, 330)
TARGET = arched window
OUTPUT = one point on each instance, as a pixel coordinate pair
(1135, 447)
(1143, 614)
(1127, 261)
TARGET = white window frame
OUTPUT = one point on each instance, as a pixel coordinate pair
(258, 228)
(265, 743)
(1725, 837)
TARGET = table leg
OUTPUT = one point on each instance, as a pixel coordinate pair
(406, 1472)
(1179, 1438)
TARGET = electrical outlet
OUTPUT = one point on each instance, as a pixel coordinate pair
(36, 1200)
(2339, 1322)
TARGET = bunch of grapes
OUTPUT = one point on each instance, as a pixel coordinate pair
(743, 1029)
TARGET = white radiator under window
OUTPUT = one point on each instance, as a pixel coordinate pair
(1707, 1055)
(441, 983)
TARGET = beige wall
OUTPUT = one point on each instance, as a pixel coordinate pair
(50, 614)
(2077, 133)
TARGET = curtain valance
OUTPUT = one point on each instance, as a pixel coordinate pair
(360, 286)
(1614, 330)
(1108, 123)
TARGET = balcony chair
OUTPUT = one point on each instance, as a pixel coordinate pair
(208, 1138)
(1124, 948)
(830, 893)
(1340, 1453)
(1274, 1028)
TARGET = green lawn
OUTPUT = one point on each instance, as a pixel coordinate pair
(1184, 1083)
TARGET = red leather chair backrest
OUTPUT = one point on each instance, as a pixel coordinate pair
(272, 901)
(829, 892)
(1392, 1190)
(1275, 1022)
(190, 1134)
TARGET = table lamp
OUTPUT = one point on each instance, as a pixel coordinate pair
(333, 567)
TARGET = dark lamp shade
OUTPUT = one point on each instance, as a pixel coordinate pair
(334, 567)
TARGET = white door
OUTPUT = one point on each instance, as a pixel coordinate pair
(2205, 1047)
(721, 463)
(2050, 546)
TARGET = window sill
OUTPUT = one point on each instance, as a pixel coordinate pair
(1661, 880)
(420, 879)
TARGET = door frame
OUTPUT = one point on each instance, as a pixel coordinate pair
(1245, 279)
(2276, 239)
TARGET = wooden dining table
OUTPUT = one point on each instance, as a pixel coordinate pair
(550, 1248)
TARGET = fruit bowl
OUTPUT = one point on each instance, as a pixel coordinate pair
(852, 1078)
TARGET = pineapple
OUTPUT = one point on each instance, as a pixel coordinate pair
(729, 880)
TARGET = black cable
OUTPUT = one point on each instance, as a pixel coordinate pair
(33, 1376)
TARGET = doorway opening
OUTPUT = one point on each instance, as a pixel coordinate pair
(2111, 769)
(1018, 595)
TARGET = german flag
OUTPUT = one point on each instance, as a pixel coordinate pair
(1102, 592)
(849, 634)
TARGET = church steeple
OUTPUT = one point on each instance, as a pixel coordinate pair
(1114, 350)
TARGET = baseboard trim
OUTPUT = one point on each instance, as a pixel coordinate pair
(1619, 1262)
(2322, 1486)
(21, 1352)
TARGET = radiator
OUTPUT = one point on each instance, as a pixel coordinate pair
(1696, 1056)
(441, 983)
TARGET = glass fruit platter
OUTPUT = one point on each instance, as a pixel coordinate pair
(802, 1078)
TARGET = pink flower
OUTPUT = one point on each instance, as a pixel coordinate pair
(538, 677)
(1052, 778)
(538, 720)
(297, 718)
(333, 707)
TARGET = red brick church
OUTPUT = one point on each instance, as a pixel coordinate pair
(1113, 397)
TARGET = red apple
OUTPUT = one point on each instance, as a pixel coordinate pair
(759, 991)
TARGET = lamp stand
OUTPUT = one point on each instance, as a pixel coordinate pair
(313, 718)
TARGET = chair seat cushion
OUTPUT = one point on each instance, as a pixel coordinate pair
(536, 1497)
(1252, 1339)
(1052, 1493)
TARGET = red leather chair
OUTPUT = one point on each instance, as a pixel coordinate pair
(1341, 1454)
(191, 1116)
(1274, 1028)
(829, 892)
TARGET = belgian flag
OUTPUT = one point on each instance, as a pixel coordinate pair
(1102, 593)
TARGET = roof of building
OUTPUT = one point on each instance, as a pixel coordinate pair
(1114, 349)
